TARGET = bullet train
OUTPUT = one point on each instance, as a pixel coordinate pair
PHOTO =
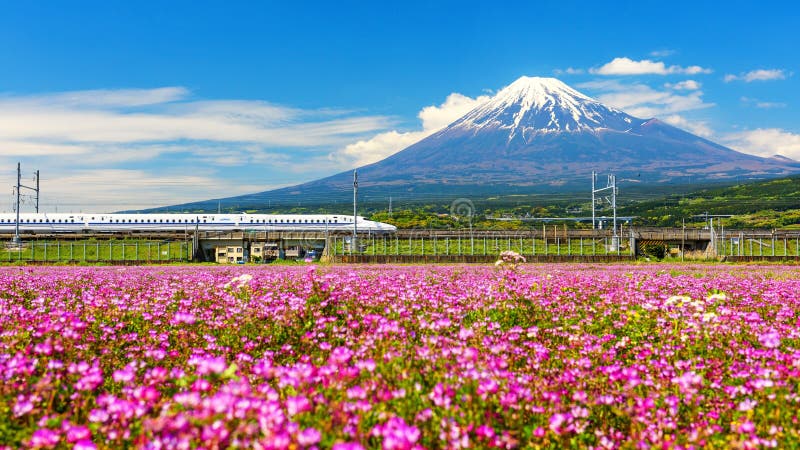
(109, 223)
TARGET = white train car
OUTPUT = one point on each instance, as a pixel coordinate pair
(110, 223)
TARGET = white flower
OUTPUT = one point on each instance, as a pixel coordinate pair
(239, 281)
(747, 404)
(709, 317)
(677, 300)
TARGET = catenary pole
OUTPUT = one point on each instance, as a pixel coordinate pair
(355, 210)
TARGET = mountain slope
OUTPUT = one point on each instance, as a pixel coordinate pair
(536, 135)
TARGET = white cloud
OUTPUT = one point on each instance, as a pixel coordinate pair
(627, 66)
(569, 71)
(110, 189)
(80, 125)
(697, 127)
(433, 118)
(368, 151)
(73, 118)
(687, 85)
(662, 53)
(759, 75)
(765, 142)
(641, 100)
(154, 133)
(770, 105)
(97, 98)
(761, 104)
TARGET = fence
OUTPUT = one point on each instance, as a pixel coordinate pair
(98, 251)
(527, 244)
(578, 245)
(758, 244)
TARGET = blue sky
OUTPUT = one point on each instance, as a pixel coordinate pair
(137, 104)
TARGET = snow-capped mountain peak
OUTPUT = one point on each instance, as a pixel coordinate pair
(536, 105)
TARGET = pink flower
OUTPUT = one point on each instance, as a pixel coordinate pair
(397, 434)
(341, 355)
(556, 420)
(215, 432)
(84, 444)
(125, 375)
(747, 427)
(22, 406)
(484, 431)
(206, 365)
(78, 433)
(309, 436)
(688, 382)
(347, 446)
(356, 392)
(770, 339)
(44, 438)
(297, 404)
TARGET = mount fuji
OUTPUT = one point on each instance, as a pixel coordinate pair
(538, 135)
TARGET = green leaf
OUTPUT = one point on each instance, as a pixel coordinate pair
(230, 372)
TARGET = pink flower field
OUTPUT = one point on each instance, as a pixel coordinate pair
(555, 356)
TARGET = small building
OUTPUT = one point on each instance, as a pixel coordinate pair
(230, 255)
(264, 251)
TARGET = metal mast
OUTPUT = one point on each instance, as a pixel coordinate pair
(611, 184)
(21, 186)
(37, 192)
(594, 202)
(355, 210)
(16, 224)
